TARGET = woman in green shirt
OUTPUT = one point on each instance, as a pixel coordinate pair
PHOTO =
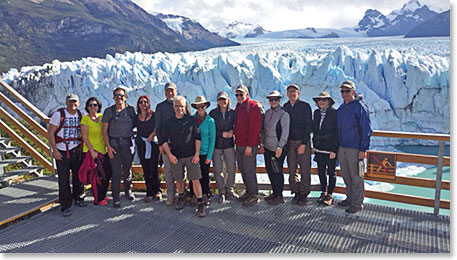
(91, 132)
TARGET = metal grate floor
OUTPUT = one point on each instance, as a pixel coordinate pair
(139, 227)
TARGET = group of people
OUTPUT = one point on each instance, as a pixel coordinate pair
(100, 148)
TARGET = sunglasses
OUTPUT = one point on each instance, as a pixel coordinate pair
(320, 99)
(119, 95)
(346, 91)
(93, 105)
(200, 107)
(238, 95)
(143, 102)
(273, 99)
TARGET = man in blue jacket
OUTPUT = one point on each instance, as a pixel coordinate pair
(354, 131)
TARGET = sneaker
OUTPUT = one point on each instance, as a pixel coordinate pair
(353, 209)
(117, 204)
(269, 197)
(201, 212)
(130, 195)
(302, 200)
(158, 196)
(206, 200)
(344, 203)
(221, 198)
(106, 198)
(170, 201)
(103, 203)
(251, 200)
(148, 199)
(80, 203)
(230, 195)
(295, 199)
(328, 200)
(180, 203)
(321, 198)
(66, 212)
(276, 200)
(243, 197)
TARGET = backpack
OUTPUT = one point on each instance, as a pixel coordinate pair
(59, 139)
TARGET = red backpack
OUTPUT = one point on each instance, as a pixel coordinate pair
(59, 139)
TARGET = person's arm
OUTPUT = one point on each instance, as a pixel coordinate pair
(85, 137)
(365, 125)
(110, 149)
(212, 140)
(308, 123)
(196, 157)
(255, 125)
(285, 127)
(52, 141)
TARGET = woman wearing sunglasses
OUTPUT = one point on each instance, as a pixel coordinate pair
(148, 147)
(325, 145)
(273, 145)
(207, 128)
(91, 132)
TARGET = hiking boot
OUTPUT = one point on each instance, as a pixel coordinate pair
(158, 196)
(353, 209)
(66, 212)
(269, 197)
(302, 200)
(251, 200)
(230, 195)
(130, 195)
(148, 199)
(180, 203)
(295, 199)
(117, 204)
(221, 198)
(206, 200)
(243, 197)
(344, 203)
(170, 200)
(201, 212)
(321, 198)
(276, 200)
(328, 200)
(80, 203)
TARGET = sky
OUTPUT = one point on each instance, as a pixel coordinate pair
(277, 15)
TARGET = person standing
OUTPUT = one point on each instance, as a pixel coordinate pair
(181, 142)
(224, 151)
(247, 138)
(354, 132)
(118, 135)
(91, 131)
(208, 140)
(325, 144)
(164, 111)
(274, 143)
(64, 137)
(148, 148)
(299, 148)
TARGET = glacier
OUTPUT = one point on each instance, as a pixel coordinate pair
(405, 82)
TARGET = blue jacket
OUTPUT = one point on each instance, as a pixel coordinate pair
(208, 137)
(354, 126)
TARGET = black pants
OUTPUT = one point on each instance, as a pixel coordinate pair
(276, 180)
(121, 165)
(150, 170)
(326, 165)
(102, 188)
(66, 193)
(204, 181)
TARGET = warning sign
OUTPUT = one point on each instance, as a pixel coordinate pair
(381, 165)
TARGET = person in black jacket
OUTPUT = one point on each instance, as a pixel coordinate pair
(325, 144)
(225, 147)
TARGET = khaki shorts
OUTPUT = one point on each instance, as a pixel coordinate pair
(193, 170)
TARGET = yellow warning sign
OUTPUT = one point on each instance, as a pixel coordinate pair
(381, 165)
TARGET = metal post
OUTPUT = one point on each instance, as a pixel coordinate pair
(439, 176)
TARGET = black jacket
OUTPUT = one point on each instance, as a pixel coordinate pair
(325, 138)
(300, 120)
(223, 126)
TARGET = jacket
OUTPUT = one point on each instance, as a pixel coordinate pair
(300, 120)
(208, 137)
(90, 173)
(247, 124)
(325, 138)
(164, 110)
(271, 129)
(354, 125)
(223, 125)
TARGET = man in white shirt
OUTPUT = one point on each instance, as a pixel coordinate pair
(64, 136)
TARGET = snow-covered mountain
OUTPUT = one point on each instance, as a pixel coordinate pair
(407, 89)
(439, 25)
(398, 22)
(310, 33)
(236, 29)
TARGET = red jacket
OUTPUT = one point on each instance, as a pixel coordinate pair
(89, 173)
(247, 124)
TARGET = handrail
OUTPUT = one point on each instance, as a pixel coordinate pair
(24, 101)
(25, 145)
(410, 135)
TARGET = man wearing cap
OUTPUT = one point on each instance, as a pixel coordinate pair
(64, 137)
(247, 138)
(224, 151)
(164, 111)
(354, 132)
(275, 133)
(181, 142)
(299, 148)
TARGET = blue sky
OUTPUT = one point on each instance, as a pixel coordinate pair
(278, 15)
